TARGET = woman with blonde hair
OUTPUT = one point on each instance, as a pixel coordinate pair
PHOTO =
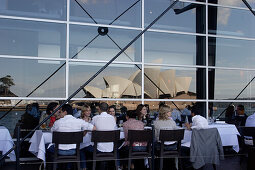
(165, 121)
(86, 113)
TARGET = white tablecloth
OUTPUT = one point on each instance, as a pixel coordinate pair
(6, 142)
(228, 134)
(40, 139)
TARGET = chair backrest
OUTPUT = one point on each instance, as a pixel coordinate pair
(67, 137)
(171, 135)
(248, 131)
(205, 146)
(105, 136)
(140, 136)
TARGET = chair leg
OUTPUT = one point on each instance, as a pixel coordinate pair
(54, 166)
(116, 164)
(129, 163)
(94, 164)
(150, 163)
(214, 166)
(179, 164)
(161, 163)
(78, 165)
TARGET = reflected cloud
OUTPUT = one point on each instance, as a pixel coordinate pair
(224, 13)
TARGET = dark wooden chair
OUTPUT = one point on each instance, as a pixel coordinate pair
(67, 138)
(248, 149)
(170, 135)
(139, 136)
(105, 136)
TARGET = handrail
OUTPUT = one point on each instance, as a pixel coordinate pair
(95, 75)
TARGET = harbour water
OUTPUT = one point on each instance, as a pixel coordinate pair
(10, 120)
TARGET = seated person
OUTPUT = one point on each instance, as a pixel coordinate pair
(176, 116)
(112, 111)
(104, 122)
(250, 122)
(164, 122)
(240, 117)
(198, 122)
(141, 112)
(230, 114)
(30, 119)
(133, 124)
(49, 123)
(68, 123)
(86, 113)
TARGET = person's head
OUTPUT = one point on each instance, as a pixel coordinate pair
(85, 111)
(66, 109)
(147, 107)
(123, 109)
(164, 112)
(195, 110)
(131, 114)
(141, 111)
(161, 104)
(51, 107)
(103, 107)
(112, 110)
(230, 110)
(240, 109)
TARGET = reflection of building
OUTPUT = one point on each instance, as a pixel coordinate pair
(166, 83)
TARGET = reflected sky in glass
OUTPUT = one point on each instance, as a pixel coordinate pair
(28, 74)
(164, 48)
(104, 47)
(185, 21)
(233, 22)
(235, 3)
(46, 9)
(229, 83)
(234, 53)
(30, 38)
(107, 12)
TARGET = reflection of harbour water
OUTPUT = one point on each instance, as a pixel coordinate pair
(11, 119)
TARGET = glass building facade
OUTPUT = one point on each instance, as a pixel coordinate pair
(198, 52)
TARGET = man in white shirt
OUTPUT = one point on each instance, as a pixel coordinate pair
(250, 121)
(198, 122)
(104, 122)
(68, 123)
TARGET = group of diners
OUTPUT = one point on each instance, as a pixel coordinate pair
(64, 121)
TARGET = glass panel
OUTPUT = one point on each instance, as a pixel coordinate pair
(105, 12)
(20, 76)
(227, 84)
(10, 120)
(173, 48)
(231, 22)
(103, 47)
(116, 81)
(225, 52)
(220, 110)
(170, 82)
(235, 3)
(185, 21)
(36, 9)
(29, 38)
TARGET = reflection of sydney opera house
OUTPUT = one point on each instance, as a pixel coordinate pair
(117, 87)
